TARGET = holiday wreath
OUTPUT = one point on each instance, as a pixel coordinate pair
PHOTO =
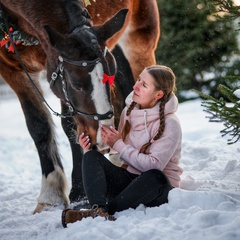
(18, 35)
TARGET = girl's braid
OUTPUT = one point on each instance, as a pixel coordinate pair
(161, 128)
(127, 125)
(161, 117)
(132, 105)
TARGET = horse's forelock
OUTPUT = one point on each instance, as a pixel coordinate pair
(77, 11)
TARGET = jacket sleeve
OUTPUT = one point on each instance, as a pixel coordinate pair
(160, 152)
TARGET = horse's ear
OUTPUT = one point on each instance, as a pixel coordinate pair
(110, 27)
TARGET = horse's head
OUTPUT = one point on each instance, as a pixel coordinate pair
(78, 66)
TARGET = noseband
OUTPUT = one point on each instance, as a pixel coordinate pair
(60, 72)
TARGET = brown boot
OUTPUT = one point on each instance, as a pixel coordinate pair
(71, 216)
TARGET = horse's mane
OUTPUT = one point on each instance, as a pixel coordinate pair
(76, 11)
(63, 19)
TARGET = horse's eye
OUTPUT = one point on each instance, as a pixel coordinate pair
(76, 85)
(78, 88)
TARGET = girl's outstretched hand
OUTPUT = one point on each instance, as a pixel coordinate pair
(109, 135)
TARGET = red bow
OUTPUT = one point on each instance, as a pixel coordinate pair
(6, 39)
(106, 78)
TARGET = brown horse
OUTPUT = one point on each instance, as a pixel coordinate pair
(72, 42)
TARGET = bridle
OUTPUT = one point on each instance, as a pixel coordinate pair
(60, 72)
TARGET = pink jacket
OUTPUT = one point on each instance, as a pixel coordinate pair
(164, 153)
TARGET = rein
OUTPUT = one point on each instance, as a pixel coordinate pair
(23, 66)
(55, 75)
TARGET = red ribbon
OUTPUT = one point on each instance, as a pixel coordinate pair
(6, 39)
(106, 78)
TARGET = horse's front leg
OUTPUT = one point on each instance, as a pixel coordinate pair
(40, 126)
(77, 195)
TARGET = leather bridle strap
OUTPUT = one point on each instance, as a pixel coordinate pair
(60, 72)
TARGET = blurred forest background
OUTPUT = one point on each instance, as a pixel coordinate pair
(201, 47)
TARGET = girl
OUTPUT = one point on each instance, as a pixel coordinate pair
(148, 142)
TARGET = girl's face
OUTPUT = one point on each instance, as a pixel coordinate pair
(144, 92)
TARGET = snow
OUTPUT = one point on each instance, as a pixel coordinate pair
(237, 93)
(206, 207)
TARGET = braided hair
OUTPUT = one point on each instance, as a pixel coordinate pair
(164, 79)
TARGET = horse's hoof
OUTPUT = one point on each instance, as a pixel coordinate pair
(41, 207)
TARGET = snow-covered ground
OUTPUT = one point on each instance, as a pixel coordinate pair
(207, 207)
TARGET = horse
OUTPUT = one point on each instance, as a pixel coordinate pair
(81, 45)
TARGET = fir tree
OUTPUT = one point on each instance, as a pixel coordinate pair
(226, 112)
(195, 44)
(226, 109)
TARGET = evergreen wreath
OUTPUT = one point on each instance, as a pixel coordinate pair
(18, 35)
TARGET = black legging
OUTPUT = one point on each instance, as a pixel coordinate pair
(116, 189)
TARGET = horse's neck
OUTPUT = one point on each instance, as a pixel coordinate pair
(33, 15)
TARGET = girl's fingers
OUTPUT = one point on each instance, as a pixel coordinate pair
(81, 136)
(84, 141)
(106, 129)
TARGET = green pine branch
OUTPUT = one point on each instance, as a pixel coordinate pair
(228, 7)
(226, 112)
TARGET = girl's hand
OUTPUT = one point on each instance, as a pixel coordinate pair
(109, 135)
(84, 142)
